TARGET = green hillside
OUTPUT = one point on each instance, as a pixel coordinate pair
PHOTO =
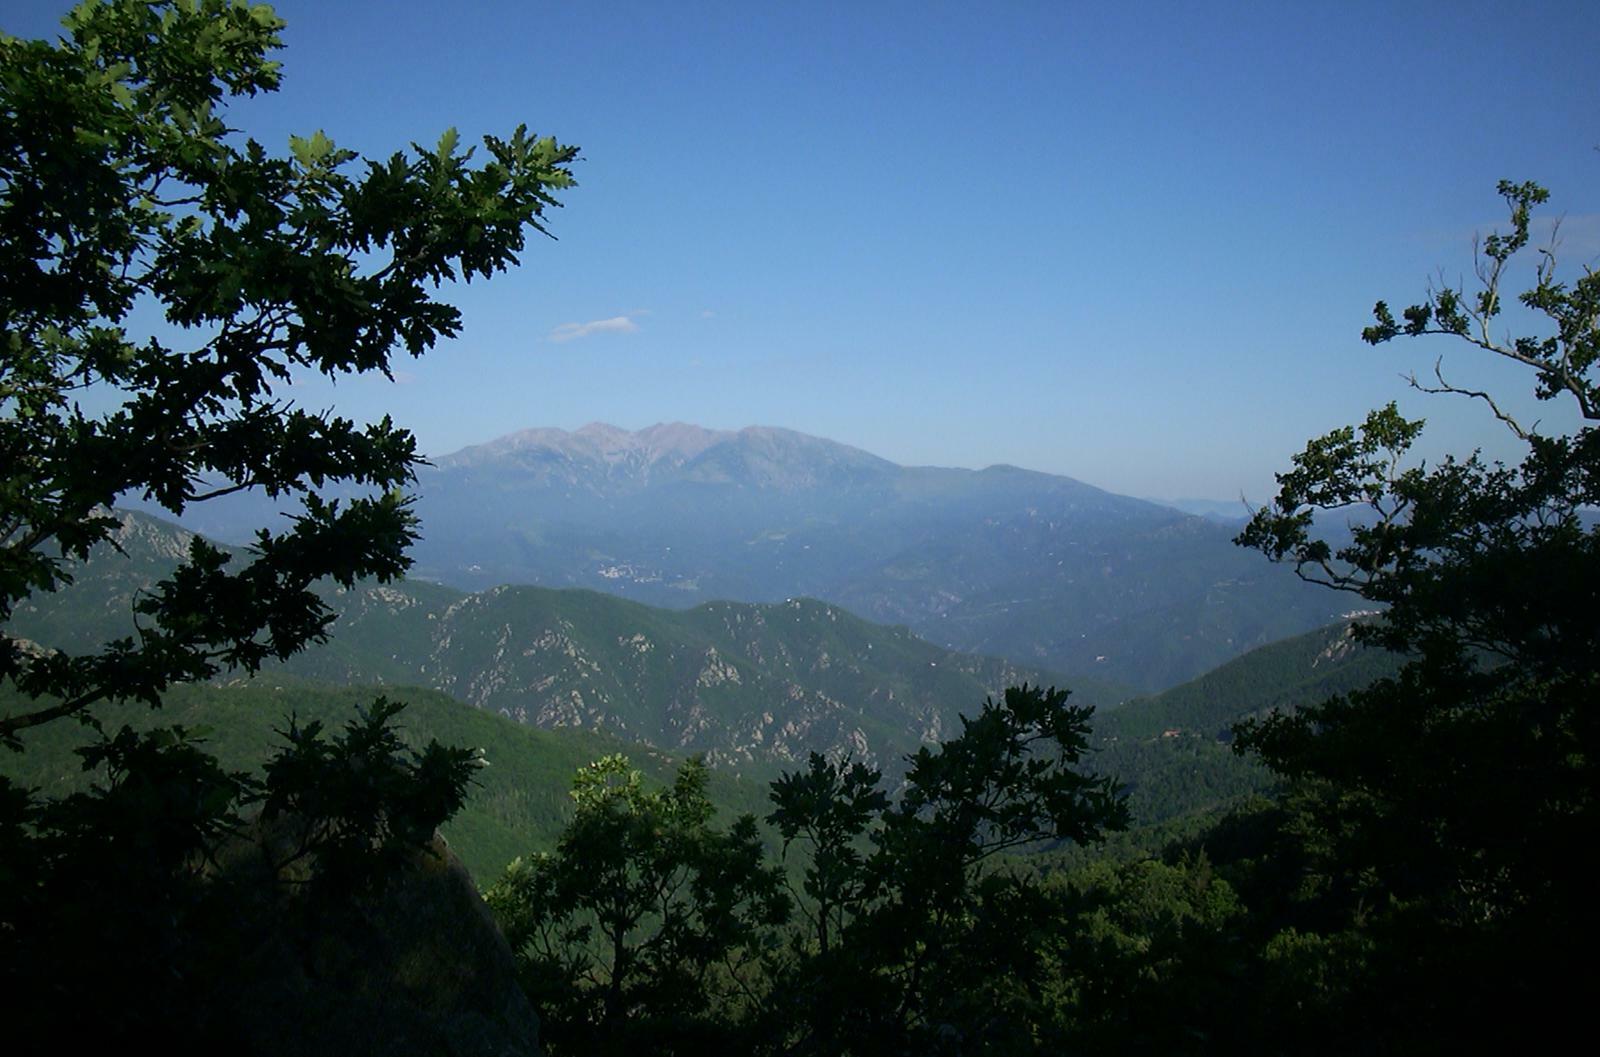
(1174, 750)
(749, 686)
(556, 678)
(1295, 671)
(520, 800)
(1171, 751)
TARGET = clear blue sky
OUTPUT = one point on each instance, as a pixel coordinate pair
(1135, 246)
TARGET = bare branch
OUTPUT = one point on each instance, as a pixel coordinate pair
(217, 492)
(1329, 578)
(1475, 394)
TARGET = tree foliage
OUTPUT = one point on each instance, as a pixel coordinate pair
(631, 933)
(922, 944)
(648, 927)
(133, 891)
(359, 804)
(125, 194)
(1444, 804)
(162, 279)
(1146, 957)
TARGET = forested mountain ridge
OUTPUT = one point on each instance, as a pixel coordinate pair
(752, 687)
(742, 684)
(520, 799)
(1174, 750)
(1041, 569)
(518, 802)
(1303, 669)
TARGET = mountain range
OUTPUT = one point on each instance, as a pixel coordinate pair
(747, 685)
(1040, 569)
(1169, 751)
(753, 687)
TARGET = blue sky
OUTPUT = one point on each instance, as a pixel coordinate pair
(1134, 246)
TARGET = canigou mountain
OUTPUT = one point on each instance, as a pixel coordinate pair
(1041, 569)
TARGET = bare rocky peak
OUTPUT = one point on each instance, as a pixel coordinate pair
(769, 453)
(510, 444)
(675, 440)
(150, 538)
(598, 442)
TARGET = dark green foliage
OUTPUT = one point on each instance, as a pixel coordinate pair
(1440, 808)
(1299, 671)
(631, 936)
(648, 928)
(123, 193)
(829, 806)
(123, 188)
(360, 804)
(1148, 959)
(1174, 752)
(1182, 775)
(929, 946)
(120, 877)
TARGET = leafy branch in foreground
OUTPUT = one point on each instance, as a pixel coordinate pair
(360, 804)
(649, 927)
(125, 197)
(122, 192)
(1444, 804)
(630, 935)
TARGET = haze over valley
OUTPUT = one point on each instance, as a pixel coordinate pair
(753, 688)
(375, 677)
(1037, 568)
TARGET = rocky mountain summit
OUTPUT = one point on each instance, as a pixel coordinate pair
(604, 460)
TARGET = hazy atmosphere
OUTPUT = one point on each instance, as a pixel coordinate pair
(600, 530)
(1132, 246)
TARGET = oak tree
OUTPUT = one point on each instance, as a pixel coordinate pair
(925, 941)
(124, 193)
(163, 278)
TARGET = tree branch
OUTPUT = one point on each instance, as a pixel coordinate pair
(1475, 394)
(11, 725)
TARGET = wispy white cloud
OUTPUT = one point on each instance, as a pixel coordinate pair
(708, 314)
(1577, 236)
(614, 325)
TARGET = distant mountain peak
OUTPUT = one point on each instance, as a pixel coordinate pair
(679, 438)
(676, 444)
(597, 442)
(675, 441)
(605, 434)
